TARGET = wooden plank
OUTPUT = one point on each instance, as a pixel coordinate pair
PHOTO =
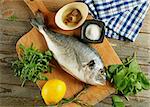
(14, 91)
(141, 46)
(14, 7)
(14, 28)
(16, 96)
(10, 32)
(20, 102)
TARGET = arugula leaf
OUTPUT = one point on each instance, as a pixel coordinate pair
(32, 64)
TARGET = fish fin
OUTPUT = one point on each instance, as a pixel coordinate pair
(38, 21)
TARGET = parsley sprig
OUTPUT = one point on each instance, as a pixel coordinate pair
(32, 64)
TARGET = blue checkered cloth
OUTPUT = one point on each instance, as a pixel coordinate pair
(123, 18)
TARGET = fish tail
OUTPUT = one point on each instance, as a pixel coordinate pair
(38, 21)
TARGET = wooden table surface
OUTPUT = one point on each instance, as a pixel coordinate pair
(11, 94)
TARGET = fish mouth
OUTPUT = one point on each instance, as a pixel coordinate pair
(97, 78)
(100, 78)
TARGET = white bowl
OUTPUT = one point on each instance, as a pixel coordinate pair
(75, 5)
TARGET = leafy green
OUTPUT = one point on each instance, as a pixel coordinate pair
(12, 18)
(117, 101)
(67, 100)
(32, 64)
(128, 78)
(143, 81)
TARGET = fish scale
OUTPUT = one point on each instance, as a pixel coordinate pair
(75, 57)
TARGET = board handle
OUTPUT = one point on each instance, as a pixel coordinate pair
(36, 5)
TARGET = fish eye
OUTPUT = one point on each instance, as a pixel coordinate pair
(91, 63)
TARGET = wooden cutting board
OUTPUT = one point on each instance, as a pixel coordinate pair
(93, 94)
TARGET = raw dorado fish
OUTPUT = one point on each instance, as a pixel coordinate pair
(75, 57)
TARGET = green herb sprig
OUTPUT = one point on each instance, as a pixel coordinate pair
(128, 78)
(117, 101)
(12, 18)
(32, 64)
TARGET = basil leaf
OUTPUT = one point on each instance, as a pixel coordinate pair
(119, 76)
(128, 78)
(134, 67)
(145, 83)
(109, 75)
(117, 101)
(118, 104)
(113, 68)
(122, 85)
(138, 86)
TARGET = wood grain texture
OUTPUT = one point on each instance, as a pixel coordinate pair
(13, 30)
